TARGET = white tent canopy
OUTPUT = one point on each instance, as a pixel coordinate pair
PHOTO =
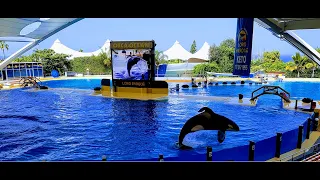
(203, 52)
(177, 52)
(174, 52)
(58, 47)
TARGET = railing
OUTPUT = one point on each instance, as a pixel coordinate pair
(26, 80)
(266, 90)
(302, 154)
(313, 158)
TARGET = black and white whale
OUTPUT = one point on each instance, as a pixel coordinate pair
(207, 120)
(133, 60)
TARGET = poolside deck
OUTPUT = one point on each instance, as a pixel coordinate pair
(229, 100)
(291, 105)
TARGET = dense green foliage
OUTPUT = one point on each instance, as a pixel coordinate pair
(220, 58)
(221, 61)
(50, 60)
(100, 64)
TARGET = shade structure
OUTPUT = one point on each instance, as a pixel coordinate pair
(58, 47)
(32, 30)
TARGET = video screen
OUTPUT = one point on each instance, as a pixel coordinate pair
(130, 64)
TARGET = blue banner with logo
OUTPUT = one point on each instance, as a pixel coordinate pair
(243, 49)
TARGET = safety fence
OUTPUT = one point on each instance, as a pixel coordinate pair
(303, 154)
(262, 150)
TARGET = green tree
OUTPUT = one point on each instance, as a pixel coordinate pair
(299, 62)
(269, 62)
(223, 55)
(55, 61)
(205, 67)
(4, 46)
(291, 66)
(311, 65)
(225, 65)
(214, 53)
(172, 61)
(227, 48)
(100, 64)
(271, 56)
(24, 59)
(80, 50)
(256, 65)
(193, 48)
(106, 56)
(160, 58)
(49, 59)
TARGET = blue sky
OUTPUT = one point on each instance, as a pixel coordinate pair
(89, 34)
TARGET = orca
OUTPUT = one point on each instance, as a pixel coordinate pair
(132, 60)
(207, 120)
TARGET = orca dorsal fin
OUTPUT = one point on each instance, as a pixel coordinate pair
(206, 109)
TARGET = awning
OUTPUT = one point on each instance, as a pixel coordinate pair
(33, 30)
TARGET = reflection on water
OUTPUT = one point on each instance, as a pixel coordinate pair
(134, 125)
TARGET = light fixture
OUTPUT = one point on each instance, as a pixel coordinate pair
(30, 28)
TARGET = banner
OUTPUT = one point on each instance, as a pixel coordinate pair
(132, 60)
(122, 45)
(243, 49)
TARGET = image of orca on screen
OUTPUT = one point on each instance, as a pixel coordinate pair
(129, 68)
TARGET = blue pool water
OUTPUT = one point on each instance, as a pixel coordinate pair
(67, 122)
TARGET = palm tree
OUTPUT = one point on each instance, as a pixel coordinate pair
(291, 66)
(311, 65)
(159, 58)
(299, 61)
(107, 58)
(4, 46)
